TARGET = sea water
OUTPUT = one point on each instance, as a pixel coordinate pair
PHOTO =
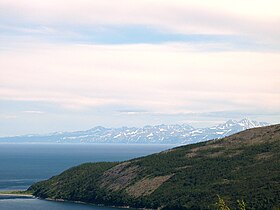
(24, 164)
(37, 204)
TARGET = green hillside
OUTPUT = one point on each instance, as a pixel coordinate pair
(242, 166)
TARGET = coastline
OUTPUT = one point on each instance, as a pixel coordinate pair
(23, 194)
(16, 194)
(92, 204)
(11, 196)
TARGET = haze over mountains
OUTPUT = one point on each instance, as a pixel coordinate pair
(158, 134)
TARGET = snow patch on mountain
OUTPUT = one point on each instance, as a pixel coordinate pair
(158, 134)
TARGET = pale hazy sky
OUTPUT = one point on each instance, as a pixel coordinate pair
(76, 64)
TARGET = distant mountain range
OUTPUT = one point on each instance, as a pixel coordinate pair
(158, 134)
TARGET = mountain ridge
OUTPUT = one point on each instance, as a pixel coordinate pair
(241, 166)
(157, 134)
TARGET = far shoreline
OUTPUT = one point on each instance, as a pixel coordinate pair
(16, 193)
(10, 196)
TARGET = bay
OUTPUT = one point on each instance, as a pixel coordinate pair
(24, 164)
(37, 204)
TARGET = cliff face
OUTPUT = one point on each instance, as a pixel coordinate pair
(242, 166)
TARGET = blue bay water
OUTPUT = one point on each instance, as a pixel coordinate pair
(36, 204)
(23, 164)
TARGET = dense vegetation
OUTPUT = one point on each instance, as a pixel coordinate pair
(243, 166)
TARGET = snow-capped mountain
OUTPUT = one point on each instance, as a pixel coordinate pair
(159, 134)
(228, 128)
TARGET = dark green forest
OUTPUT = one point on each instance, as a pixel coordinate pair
(244, 166)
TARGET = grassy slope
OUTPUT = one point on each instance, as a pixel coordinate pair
(243, 166)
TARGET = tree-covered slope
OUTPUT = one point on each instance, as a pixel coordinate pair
(242, 166)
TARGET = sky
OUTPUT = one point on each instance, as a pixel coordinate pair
(74, 64)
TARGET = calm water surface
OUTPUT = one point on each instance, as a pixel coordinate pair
(23, 164)
(36, 204)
